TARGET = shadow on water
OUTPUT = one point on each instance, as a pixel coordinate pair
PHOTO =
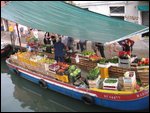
(33, 98)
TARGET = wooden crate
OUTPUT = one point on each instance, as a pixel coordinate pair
(143, 76)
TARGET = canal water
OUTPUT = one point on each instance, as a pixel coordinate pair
(21, 95)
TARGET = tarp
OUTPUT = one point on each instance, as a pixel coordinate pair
(65, 19)
(143, 8)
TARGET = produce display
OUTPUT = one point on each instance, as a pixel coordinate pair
(141, 61)
(87, 53)
(103, 61)
(94, 57)
(124, 55)
(112, 60)
(63, 65)
(54, 67)
(71, 73)
(93, 74)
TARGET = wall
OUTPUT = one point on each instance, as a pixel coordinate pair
(131, 12)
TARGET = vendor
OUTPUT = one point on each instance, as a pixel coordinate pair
(48, 41)
(59, 50)
(128, 46)
(100, 47)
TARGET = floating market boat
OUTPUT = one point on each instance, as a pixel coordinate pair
(121, 100)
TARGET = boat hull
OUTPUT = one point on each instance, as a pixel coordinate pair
(98, 98)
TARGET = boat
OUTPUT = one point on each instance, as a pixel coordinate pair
(120, 100)
(5, 49)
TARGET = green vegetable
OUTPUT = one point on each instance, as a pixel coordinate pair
(87, 53)
(103, 61)
(93, 74)
(110, 81)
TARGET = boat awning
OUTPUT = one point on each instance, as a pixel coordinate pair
(143, 8)
(65, 19)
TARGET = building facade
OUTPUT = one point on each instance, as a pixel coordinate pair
(132, 11)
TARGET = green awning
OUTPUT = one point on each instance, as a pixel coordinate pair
(143, 8)
(62, 18)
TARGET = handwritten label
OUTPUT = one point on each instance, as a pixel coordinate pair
(131, 17)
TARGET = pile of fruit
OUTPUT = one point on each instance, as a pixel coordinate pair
(46, 60)
(143, 62)
(63, 67)
(94, 57)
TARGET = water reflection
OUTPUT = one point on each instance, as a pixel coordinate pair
(23, 95)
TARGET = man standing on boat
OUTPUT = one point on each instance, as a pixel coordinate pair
(59, 50)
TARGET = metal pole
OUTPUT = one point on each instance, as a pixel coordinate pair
(18, 36)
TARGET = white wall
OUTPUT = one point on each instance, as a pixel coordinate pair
(131, 12)
(103, 9)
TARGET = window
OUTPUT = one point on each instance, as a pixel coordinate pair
(118, 17)
(119, 9)
(85, 8)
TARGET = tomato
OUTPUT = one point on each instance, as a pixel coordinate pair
(139, 63)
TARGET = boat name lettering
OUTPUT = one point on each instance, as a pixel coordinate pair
(142, 94)
(112, 97)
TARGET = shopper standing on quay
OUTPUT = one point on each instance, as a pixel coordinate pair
(12, 36)
(100, 47)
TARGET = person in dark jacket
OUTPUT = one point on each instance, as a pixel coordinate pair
(100, 47)
(59, 50)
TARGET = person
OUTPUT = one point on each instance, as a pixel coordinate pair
(82, 44)
(53, 38)
(100, 47)
(124, 44)
(11, 30)
(70, 44)
(112, 48)
(59, 48)
(12, 35)
(47, 39)
(128, 46)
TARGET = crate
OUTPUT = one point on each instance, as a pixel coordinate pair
(129, 81)
(94, 83)
(125, 63)
(65, 78)
(110, 86)
(143, 76)
(104, 72)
